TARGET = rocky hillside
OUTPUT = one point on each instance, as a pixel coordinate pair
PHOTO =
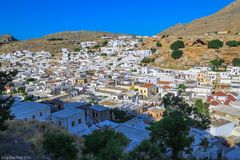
(226, 20)
(6, 38)
(195, 52)
(54, 42)
(224, 25)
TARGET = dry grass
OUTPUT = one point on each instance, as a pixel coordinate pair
(25, 138)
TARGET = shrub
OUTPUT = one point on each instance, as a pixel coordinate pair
(104, 43)
(147, 60)
(77, 49)
(177, 45)
(215, 44)
(158, 44)
(55, 39)
(233, 43)
(236, 62)
(176, 54)
(104, 54)
(153, 50)
(105, 144)
(60, 145)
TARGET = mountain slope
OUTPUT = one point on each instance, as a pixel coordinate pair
(6, 38)
(53, 43)
(227, 19)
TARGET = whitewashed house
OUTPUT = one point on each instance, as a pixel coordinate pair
(71, 119)
(31, 111)
(221, 127)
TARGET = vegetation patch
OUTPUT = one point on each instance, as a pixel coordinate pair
(233, 43)
(236, 62)
(147, 60)
(176, 54)
(177, 45)
(215, 44)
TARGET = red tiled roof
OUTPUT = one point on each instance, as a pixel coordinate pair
(215, 103)
(209, 99)
(166, 87)
(163, 82)
(147, 85)
(220, 94)
(230, 99)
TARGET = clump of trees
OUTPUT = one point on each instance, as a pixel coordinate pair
(104, 43)
(147, 150)
(120, 115)
(177, 45)
(215, 44)
(176, 54)
(233, 43)
(216, 63)
(172, 132)
(153, 50)
(55, 39)
(147, 60)
(60, 145)
(159, 44)
(105, 144)
(6, 101)
(236, 62)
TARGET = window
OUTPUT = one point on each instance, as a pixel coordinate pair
(79, 121)
(41, 114)
(73, 123)
(59, 123)
(33, 116)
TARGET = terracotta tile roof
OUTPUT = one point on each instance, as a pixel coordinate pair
(147, 85)
(164, 82)
(230, 99)
(166, 87)
(215, 103)
(209, 99)
(220, 94)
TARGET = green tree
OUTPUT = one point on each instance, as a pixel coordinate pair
(147, 150)
(158, 44)
(236, 62)
(181, 88)
(215, 44)
(172, 131)
(216, 63)
(153, 50)
(6, 101)
(176, 54)
(120, 115)
(202, 107)
(233, 43)
(177, 45)
(105, 144)
(104, 43)
(60, 145)
(147, 60)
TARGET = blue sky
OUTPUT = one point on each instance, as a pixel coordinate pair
(27, 19)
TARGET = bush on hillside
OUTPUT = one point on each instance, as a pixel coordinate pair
(233, 43)
(236, 62)
(60, 145)
(158, 44)
(177, 45)
(153, 50)
(215, 44)
(147, 60)
(176, 54)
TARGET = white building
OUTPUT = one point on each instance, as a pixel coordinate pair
(71, 119)
(31, 111)
(221, 127)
